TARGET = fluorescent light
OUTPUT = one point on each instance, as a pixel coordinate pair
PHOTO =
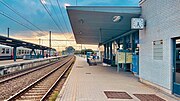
(117, 18)
(80, 32)
(8, 40)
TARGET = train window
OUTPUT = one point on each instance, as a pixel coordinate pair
(22, 51)
(3, 51)
(19, 51)
(7, 51)
(28, 52)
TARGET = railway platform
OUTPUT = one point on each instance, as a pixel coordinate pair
(9, 66)
(8, 62)
(103, 83)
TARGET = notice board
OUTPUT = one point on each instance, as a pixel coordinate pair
(124, 57)
(121, 57)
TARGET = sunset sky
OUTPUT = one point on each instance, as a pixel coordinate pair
(35, 23)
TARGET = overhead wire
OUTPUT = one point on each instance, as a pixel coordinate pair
(57, 16)
(9, 17)
(16, 12)
(20, 15)
(59, 6)
(49, 13)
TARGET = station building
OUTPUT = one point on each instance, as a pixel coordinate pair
(144, 40)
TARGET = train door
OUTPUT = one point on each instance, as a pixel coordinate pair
(176, 67)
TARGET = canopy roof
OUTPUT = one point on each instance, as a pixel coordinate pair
(18, 43)
(95, 25)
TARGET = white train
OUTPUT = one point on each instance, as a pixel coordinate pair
(6, 52)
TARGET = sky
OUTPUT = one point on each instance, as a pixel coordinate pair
(28, 20)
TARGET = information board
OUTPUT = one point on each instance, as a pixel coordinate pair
(128, 57)
(121, 57)
(124, 57)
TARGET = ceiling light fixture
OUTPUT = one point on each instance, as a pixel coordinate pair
(80, 32)
(117, 19)
(81, 21)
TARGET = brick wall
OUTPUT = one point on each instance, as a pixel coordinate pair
(162, 23)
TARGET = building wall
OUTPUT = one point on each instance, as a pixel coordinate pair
(162, 23)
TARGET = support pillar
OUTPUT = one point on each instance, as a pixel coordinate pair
(124, 66)
(108, 51)
(124, 43)
(111, 56)
(14, 53)
(105, 51)
(43, 53)
(50, 43)
(33, 51)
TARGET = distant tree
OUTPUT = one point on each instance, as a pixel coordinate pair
(77, 52)
(70, 50)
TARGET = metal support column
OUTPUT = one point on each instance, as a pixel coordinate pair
(124, 43)
(111, 56)
(131, 47)
(43, 53)
(34, 52)
(105, 51)
(8, 32)
(50, 43)
(14, 53)
(124, 66)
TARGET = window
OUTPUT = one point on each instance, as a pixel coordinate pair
(22, 51)
(7, 51)
(27, 51)
(19, 52)
(3, 51)
(158, 50)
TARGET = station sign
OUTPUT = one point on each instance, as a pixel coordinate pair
(137, 23)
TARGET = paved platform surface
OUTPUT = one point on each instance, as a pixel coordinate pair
(88, 83)
(10, 62)
(4, 62)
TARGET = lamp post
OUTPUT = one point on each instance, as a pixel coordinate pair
(50, 43)
(8, 32)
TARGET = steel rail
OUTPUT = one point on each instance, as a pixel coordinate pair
(12, 98)
(56, 82)
(16, 75)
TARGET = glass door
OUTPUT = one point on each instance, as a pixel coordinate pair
(176, 69)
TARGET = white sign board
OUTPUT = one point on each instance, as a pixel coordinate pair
(137, 23)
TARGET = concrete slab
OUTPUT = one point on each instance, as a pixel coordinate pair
(18, 61)
(88, 83)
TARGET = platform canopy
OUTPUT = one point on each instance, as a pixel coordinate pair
(98, 24)
(18, 43)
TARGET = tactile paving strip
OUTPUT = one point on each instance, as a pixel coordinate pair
(148, 97)
(117, 95)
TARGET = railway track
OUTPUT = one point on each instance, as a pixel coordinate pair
(16, 83)
(41, 89)
(17, 74)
